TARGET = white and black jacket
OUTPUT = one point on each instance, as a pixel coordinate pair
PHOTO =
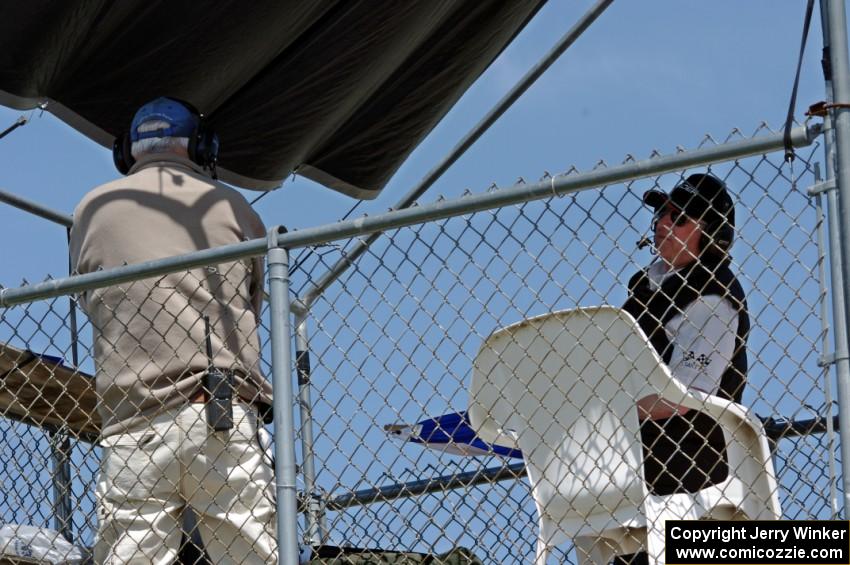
(684, 314)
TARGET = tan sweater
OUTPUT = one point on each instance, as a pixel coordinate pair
(149, 343)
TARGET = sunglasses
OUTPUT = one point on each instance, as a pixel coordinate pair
(678, 217)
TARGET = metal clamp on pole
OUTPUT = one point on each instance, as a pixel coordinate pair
(821, 187)
(828, 359)
(281, 340)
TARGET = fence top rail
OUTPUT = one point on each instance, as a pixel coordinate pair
(801, 136)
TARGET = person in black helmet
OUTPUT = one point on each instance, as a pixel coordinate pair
(694, 312)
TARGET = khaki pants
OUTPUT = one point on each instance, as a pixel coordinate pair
(149, 475)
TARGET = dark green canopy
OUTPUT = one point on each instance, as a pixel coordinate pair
(340, 91)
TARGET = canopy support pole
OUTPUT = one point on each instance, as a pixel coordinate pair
(284, 440)
(468, 140)
(316, 520)
(835, 37)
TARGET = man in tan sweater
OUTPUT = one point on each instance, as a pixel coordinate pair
(159, 451)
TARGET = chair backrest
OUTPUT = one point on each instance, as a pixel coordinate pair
(563, 386)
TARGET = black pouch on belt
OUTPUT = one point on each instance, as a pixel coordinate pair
(218, 388)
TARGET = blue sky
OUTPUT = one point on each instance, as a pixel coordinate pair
(651, 75)
(646, 75)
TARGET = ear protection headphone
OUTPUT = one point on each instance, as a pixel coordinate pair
(717, 237)
(203, 145)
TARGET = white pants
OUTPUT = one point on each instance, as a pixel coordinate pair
(148, 476)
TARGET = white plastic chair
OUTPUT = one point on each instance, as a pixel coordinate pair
(562, 388)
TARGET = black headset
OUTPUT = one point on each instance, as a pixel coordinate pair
(717, 237)
(719, 233)
(203, 145)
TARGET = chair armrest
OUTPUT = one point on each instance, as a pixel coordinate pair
(723, 409)
(717, 407)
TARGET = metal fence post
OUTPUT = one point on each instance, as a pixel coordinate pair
(60, 448)
(60, 442)
(842, 363)
(281, 337)
(829, 220)
(834, 18)
(316, 529)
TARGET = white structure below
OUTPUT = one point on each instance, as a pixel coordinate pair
(31, 544)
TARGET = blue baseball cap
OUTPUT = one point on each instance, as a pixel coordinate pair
(182, 119)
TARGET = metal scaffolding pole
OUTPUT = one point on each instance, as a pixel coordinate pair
(60, 449)
(60, 442)
(36, 209)
(284, 427)
(828, 221)
(316, 528)
(834, 17)
(774, 429)
(464, 144)
(839, 325)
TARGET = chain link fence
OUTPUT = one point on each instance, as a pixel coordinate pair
(394, 340)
